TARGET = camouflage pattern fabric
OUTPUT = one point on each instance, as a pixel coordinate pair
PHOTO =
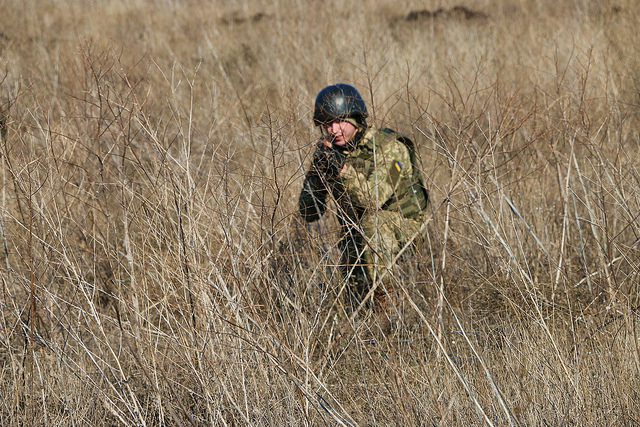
(374, 170)
(376, 202)
(385, 232)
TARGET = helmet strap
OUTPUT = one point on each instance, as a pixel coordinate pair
(353, 142)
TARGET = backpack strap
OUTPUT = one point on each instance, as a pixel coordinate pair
(420, 194)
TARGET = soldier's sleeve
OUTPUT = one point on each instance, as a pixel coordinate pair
(313, 197)
(392, 163)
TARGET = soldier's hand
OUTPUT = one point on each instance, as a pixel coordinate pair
(321, 158)
(336, 163)
(327, 160)
(326, 141)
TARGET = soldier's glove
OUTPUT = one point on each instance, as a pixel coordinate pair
(328, 161)
(336, 163)
(321, 158)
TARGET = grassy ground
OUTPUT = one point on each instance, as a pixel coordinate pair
(155, 270)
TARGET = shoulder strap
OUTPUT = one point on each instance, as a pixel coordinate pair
(418, 184)
(404, 139)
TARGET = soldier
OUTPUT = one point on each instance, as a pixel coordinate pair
(377, 189)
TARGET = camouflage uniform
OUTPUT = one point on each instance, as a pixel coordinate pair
(380, 203)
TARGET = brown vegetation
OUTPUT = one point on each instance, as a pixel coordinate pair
(456, 12)
(154, 268)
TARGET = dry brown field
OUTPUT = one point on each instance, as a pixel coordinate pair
(155, 270)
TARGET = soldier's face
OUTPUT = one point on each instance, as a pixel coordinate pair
(340, 131)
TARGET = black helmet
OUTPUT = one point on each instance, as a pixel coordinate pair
(339, 101)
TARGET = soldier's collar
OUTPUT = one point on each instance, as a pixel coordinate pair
(366, 135)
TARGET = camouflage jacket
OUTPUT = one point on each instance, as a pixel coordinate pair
(380, 174)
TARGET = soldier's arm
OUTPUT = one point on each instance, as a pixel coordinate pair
(313, 197)
(391, 162)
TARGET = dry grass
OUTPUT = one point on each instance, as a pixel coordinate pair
(154, 268)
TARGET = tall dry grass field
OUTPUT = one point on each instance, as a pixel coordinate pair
(154, 268)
